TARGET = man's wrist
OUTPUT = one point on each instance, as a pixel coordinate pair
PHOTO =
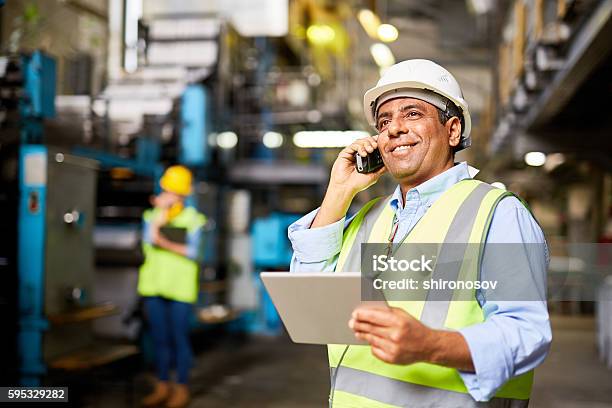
(339, 197)
(334, 206)
(449, 349)
(433, 352)
(341, 191)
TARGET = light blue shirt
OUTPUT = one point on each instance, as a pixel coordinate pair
(515, 336)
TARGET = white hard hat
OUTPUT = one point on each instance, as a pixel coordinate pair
(420, 79)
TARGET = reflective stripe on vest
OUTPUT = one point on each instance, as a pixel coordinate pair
(460, 216)
(393, 393)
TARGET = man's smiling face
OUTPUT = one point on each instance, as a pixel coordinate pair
(413, 143)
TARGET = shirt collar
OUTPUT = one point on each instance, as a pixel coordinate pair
(430, 190)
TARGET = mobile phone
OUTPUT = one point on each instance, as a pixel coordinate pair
(369, 164)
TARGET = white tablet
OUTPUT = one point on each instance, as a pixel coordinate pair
(316, 307)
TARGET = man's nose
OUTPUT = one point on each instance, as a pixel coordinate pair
(397, 128)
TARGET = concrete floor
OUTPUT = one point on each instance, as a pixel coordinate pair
(265, 373)
(274, 373)
(573, 376)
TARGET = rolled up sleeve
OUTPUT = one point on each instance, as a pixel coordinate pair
(516, 335)
(315, 249)
(514, 339)
(194, 239)
(146, 233)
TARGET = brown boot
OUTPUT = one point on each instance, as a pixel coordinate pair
(160, 394)
(179, 398)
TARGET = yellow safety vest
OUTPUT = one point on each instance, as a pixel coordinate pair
(165, 273)
(461, 215)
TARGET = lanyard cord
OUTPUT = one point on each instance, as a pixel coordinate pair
(334, 376)
(394, 228)
(392, 234)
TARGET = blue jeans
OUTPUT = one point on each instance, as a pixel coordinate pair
(169, 323)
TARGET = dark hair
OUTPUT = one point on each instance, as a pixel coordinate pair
(451, 111)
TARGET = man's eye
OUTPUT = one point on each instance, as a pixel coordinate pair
(413, 114)
(383, 123)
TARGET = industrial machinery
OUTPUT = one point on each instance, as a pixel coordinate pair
(159, 114)
(48, 202)
(271, 251)
(79, 239)
(56, 217)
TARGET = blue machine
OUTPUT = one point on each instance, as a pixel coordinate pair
(271, 251)
(36, 105)
(56, 199)
(194, 150)
(271, 248)
(145, 163)
(38, 101)
(54, 224)
(31, 261)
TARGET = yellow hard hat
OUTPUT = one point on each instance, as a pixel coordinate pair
(176, 179)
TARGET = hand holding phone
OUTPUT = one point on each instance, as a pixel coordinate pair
(369, 164)
(346, 180)
(358, 166)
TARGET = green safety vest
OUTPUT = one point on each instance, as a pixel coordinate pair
(461, 215)
(165, 273)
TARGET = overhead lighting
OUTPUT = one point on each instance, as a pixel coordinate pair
(382, 55)
(480, 7)
(272, 140)
(227, 140)
(327, 138)
(499, 184)
(370, 22)
(320, 34)
(535, 159)
(387, 33)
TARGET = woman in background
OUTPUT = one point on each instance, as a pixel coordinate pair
(168, 283)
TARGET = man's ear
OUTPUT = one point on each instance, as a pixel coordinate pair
(453, 129)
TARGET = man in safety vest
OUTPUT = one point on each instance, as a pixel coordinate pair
(480, 350)
(168, 282)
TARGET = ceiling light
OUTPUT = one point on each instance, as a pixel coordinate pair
(369, 21)
(535, 159)
(272, 140)
(327, 138)
(480, 7)
(382, 55)
(320, 34)
(387, 33)
(227, 140)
